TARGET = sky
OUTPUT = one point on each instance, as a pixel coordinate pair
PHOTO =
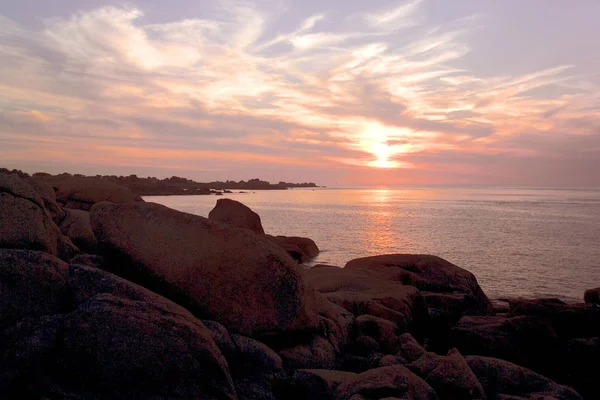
(350, 92)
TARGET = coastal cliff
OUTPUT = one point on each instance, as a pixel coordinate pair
(106, 297)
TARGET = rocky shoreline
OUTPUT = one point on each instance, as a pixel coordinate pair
(106, 297)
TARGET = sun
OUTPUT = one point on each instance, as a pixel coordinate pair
(383, 152)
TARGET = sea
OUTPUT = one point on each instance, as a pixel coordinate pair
(519, 242)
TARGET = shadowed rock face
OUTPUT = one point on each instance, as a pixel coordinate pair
(220, 272)
(388, 382)
(501, 379)
(77, 226)
(448, 286)
(25, 223)
(364, 292)
(237, 214)
(69, 331)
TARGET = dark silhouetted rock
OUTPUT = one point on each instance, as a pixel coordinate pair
(383, 331)
(82, 193)
(316, 384)
(82, 333)
(319, 353)
(220, 272)
(90, 260)
(410, 349)
(524, 340)
(592, 296)
(503, 380)
(77, 226)
(234, 213)
(389, 360)
(25, 223)
(32, 284)
(366, 292)
(388, 382)
(450, 376)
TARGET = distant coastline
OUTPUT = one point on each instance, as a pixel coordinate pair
(173, 186)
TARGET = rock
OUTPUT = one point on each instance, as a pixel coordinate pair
(430, 274)
(395, 381)
(254, 357)
(502, 379)
(524, 340)
(449, 376)
(365, 346)
(234, 213)
(79, 332)
(223, 340)
(299, 248)
(390, 360)
(32, 284)
(581, 367)
(217, 271)
(592, 296)
(568, 320)
(319, 353)
(383, 331)
(139, 199)
(48, 195)
(366, 292)
(90, 260)
(131, 348)
(77, 226)
(316, 384)
(410, 349)
(25, 223)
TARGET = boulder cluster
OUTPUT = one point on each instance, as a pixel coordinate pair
(106, 297)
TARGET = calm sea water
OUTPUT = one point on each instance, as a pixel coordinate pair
(517, 242)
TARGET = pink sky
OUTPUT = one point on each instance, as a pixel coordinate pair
(416, 92)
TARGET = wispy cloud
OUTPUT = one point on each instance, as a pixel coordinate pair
(108, 84)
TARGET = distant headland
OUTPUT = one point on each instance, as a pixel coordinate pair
(174, 185)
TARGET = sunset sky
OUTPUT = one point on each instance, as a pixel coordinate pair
(347, 92)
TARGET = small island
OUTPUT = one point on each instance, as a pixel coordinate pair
(173, 186)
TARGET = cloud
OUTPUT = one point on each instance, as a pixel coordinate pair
(228, 88)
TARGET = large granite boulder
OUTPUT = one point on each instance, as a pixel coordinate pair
(234, 213)
(77, 226)
(503, 380)
(83, 192)
(25, 223)
(443, 284)
(364, 292)
(69, 331)
(449, 376)
(219, 272)
(396, 381)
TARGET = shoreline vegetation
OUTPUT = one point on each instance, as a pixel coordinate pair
(173, 186)
(106, 296)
